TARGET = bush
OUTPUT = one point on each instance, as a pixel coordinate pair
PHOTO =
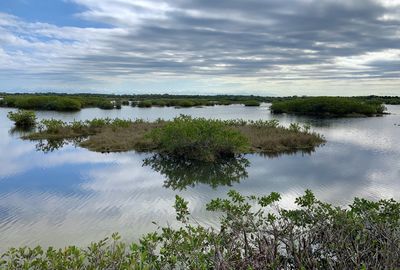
(98, 122)
(251, 103)
(23, 119)
(118, 105)
(52, 126)
(199, 138)
(254, 233)
(144, 104)
(106, 105)
(186, 103)
(327, 106)
(51, 103)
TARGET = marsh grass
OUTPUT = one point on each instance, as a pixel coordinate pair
(186, 137)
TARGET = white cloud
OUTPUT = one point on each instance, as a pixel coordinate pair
(260, 42)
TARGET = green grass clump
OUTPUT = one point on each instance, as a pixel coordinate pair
(23, 119)
(328, 106)
(199, 138)
(255, 232)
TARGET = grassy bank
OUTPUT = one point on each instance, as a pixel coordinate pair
(315, 235)
(192, 138)
(328, 106)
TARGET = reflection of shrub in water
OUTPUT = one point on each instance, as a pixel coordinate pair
(303, 152)
(51, 145)
(181, 173)
(21, 131)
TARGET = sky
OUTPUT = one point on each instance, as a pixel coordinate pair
(261, 47)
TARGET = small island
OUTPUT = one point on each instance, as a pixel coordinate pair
(184, 137)
(329, 107)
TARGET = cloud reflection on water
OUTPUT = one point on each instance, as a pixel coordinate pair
(74, 196)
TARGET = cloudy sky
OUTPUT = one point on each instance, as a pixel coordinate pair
(265, 47)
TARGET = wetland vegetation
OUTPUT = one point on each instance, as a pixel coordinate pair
(184, 136)
(54, 102)
(23, 119)
(74, 102)
(329, 106)
(255, 233)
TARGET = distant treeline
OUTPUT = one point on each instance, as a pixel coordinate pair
(74, 102)
(54, 102)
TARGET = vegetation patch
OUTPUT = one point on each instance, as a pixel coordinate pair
(199, 138)
(328, 106)
(23, 119)
(186, 137)
(251, 103)
(255, 233)
(54, 103)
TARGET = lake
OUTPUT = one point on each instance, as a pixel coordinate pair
(71, 196)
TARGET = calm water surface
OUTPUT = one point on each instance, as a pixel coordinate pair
(74, 196)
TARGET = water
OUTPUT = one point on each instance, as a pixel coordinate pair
(74, 196)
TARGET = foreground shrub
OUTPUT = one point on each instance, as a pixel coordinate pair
(199, 138)
(328, 106)
(254, 233)
(23, 119)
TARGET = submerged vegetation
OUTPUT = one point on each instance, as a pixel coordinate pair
(328, 106)
(186, 137)
(255, 233)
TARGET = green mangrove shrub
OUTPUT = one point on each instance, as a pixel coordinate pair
(105, 105)
(52, 126)
(328, 106)
(251, 103)
(51, 103)
(22, 118)
(55, 102)
(254, 233)
(198, 138)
